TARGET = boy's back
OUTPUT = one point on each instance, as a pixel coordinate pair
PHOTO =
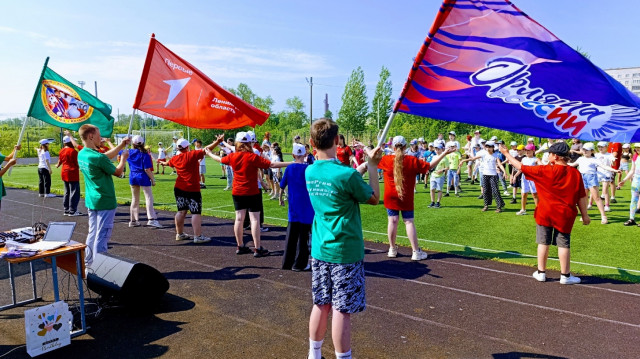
(336, 191)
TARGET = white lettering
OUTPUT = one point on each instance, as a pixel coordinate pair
(174, 66)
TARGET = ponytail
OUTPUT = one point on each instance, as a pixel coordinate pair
(398, 174)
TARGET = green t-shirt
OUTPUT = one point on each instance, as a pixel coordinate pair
(454, 160)
(443, 164)
(97, 170)
(336, 192)
(3, 192)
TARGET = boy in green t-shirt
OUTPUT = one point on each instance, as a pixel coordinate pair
(438, 177)
(99, 192)
(337, 267)
(453, 174)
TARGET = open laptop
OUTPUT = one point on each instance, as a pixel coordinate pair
(58, 235)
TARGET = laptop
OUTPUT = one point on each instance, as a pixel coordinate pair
(58, 235)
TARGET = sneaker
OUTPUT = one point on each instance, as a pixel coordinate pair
(446, 194)
(264, 229)
(521, 213)
(601, 197)
(393, 252)
(484, 209)
(437, 205)
(431, 205)
(154, 223)
(419, 255)
(134, 224)
(480, 197)
(226, 188)
(50, 195)
(540, 277)
(513, 201)
(506, 193)
(201, 239)
(182, 237)
(457, 194)
(589, 207)
(41, 195)
(630, 222)
(499, 210)
(604, 221)
(260, 252)
(306, 269)
(66, 213)
(202, 185)
(569, 280)
(509, 186)
(243, 250)
(613, 200)
(75, 214)
(607, 209)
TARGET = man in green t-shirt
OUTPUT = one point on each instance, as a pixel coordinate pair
(11, 160)
(337, 269)
(99, 192)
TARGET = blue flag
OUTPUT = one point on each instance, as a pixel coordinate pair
(489, 64)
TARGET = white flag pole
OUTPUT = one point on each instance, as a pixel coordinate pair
(15, 154)
(131, 122)
(383, 136)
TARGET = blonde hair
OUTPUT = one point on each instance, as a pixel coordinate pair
(85, 130)
(398, 173)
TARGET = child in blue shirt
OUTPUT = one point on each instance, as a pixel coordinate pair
(296, 252)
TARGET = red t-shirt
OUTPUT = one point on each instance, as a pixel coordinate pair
(69, 158)
(245, 167)
(411, 166)
(187, 167)
(559, 190)
(617, 148)
(344, 154)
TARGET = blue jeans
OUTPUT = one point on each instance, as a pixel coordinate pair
(100, 228)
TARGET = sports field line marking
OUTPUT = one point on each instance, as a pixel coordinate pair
(170, 229)
(475, 248)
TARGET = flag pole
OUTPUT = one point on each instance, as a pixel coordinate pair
(15, 153)
(387, 126)
(133, 114)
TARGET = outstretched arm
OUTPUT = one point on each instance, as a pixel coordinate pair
(515, 163)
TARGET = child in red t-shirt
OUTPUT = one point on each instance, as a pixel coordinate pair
(560, 189)
(186, 164)
(245, 192)
(399, 182)
(70, 174)
(344, 153)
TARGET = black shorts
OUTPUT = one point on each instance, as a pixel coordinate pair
(550, 235)
(188, 201)
(253, 202)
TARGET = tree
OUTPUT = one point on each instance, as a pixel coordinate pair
(328, 114)
(294, 116)
(352, 116)
(382, 103)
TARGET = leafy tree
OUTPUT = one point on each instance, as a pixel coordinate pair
(294, 116)
(382, 102)
(328, 114)
(352, 116)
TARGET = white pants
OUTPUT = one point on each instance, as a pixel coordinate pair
(135, 202)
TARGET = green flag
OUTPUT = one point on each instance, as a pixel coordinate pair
(59, 102)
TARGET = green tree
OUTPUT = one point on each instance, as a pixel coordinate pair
(352, 116)
(382, 102)
(294, 116)
(328, 114)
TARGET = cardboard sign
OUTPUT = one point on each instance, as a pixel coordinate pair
(48, 328)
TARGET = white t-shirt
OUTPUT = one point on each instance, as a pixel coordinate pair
(545, 155)
(479, 160)
(43, 157)
(605, 159)
(513, 153)
(526, 161)
(489, 163)
(162, 153)
(587, 165)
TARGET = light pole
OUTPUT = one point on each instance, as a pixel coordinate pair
(310, 82)
(81, 83)
(378, 112)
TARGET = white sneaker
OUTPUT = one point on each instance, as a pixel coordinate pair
(134, 224)
(506, 193)
(569, 280)
(540, 277)
(393, 252)
(154, 223)
(41, 195)
(521, 213)
(226, 188)
(418, 255)
(182, 237)
(607, 209)
(75, 214)
(50, 195)
(589, 207)
(201, 239)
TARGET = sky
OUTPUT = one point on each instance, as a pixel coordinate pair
(271, 46)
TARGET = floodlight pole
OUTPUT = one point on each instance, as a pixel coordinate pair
(310, 82)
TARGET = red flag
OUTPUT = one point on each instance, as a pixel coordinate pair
(173, 89)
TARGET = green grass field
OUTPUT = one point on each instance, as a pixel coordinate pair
(459, 227)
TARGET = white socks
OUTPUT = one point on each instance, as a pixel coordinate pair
(315, 349)
(346, 355)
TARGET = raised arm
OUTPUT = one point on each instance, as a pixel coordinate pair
(515, 163)
(113, 152)
(215, 157)
(219, 139)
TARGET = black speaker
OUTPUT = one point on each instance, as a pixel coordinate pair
(132, 283)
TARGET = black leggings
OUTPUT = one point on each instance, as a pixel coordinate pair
(296, 253)
(490, 189)
(44, 186)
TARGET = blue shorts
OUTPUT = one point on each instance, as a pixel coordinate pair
(340, 285)
(437, 183)
(405, 214)
(604, 178)
(590, 180)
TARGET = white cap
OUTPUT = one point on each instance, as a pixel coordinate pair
(602, 144)
(452, 133)
(183, 143)
(45, 141)
(530, 139)
(159, 143)
(482, 140)
(477, 131)
(242, 137)
(398, 140)
(514, 143)
(298, 149)
(413, 142)
(626, 145)
(451, 144)
(137, 140)
(421, 139)
(493, 138)
(439, 145)
(490, 143)
(66, 139)
(588, 146)
(252, 136)
(175, 138)
(430, 144)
